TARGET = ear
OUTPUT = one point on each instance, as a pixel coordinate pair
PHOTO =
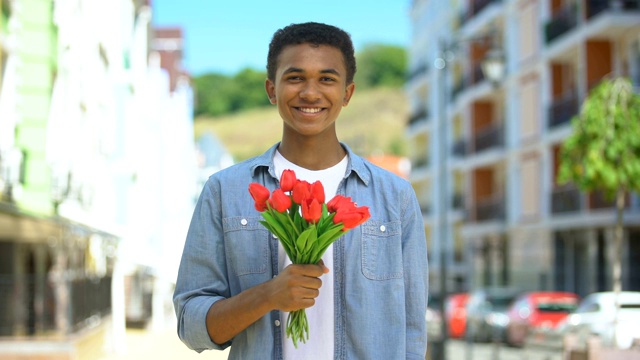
(270, 87)
(348, 93)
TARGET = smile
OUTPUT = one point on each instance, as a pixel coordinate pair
(310, 110)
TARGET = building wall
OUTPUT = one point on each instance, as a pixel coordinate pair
(555, 54)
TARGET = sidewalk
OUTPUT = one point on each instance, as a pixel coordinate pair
(162, 344)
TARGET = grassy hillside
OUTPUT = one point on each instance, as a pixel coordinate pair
(373, 122)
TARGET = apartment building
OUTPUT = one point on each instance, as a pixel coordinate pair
(485, 154)
(97, 166)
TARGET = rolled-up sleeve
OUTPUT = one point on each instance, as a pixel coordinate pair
(202, 276)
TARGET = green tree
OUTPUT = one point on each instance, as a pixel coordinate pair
(381, 65)
(218, 94)
(603, 151)
(248, 90)
(212, 95)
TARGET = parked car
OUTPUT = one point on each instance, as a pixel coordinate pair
(487, 313)
(596, 314)
(456, 314)
(434, 325)
(537, 310)
(434, 319)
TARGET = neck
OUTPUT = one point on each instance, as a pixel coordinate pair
(312, 154)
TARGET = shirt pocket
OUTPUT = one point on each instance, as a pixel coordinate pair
(246, 244)
(382, 250)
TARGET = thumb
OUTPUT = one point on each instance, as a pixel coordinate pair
(324, 268)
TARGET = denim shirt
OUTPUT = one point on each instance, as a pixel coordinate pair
(380, 267)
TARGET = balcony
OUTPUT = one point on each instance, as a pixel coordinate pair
(420, 162)
(595, 7)
(419, 116)
(417, 72)
(489, 137)
(475, 8)
(460, 148)
(477, 75)
(566, 198)
(598, 200)
(457, 201)
(562, 110)
(425, 208)
(491, 208)
(561, 22)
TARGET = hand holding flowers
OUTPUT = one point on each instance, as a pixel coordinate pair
(305, 225)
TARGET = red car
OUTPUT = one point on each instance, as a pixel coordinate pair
(456, 314)
(537, 310)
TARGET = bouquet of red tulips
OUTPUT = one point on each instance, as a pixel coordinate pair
(305, 225)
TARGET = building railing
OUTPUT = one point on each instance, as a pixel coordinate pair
(476, 8)
(595, 7)
(90, 298)
(562, 110)
(419, 116)
(33, 305)
(420, 162)
(492, 208)
(477, 73)
(425, 208)
(566, 198)
(561, 22)
(460, 148)
(457, 201)
(458, 87)
(490, 136)
(417, 72)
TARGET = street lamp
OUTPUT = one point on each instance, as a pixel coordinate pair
(493, 68)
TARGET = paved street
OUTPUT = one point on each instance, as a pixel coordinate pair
(460, 350)
(147, 344)
(160, 345)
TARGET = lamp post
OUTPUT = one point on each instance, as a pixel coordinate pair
(493, 67)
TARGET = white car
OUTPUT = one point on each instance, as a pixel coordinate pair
(597, 315)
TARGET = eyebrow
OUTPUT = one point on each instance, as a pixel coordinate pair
(299, 70)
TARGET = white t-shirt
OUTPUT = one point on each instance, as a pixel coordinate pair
(320, 316)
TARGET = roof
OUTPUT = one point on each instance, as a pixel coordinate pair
(398, 165)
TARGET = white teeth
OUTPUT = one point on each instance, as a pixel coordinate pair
(310, 110)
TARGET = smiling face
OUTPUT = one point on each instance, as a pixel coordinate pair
(310, 89)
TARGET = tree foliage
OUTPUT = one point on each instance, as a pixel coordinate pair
(381, 65)
(603, 151)
(218, 94)
(603, 154)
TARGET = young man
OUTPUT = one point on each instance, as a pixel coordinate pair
(368, 298)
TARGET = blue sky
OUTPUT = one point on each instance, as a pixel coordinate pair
(229, 35)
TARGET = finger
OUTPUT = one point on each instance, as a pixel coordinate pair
(324, 268)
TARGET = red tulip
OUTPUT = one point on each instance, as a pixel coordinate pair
(351, 218)
(340, 201)
(311, 210)
(317, 191)
(260, 195)
(301, 191)
(279, 201)
(287, 180)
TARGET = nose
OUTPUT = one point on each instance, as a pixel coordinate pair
(310, 92)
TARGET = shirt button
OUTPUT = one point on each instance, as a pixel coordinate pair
(277, 322)
(274, 236)
(243, 222)
(383, 228)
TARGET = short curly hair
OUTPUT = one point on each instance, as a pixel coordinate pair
(312, 33)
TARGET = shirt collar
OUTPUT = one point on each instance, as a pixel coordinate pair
(356, 164)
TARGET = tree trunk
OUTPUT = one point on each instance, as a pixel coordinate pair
(617, 260)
